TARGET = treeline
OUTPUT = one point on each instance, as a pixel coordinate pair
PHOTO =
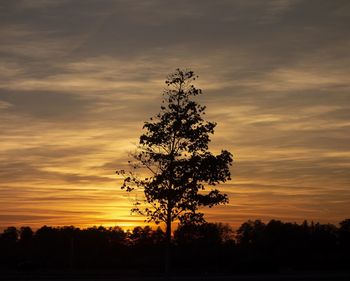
(209, 247)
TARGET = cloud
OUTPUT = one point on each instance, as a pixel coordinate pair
(78, 79)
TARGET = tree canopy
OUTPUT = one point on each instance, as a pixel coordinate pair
(174, 151)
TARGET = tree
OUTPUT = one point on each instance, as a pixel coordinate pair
(174, 152)
(204, 235)
(26, 234)
(251, 233)
(344, 235)
(10, 235)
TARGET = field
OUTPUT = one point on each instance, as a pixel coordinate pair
(109, 276)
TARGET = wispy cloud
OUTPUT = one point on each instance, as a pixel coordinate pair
(78, 79)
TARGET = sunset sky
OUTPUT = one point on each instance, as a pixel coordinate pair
(79, 78)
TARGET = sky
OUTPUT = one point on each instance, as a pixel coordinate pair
(79, 78)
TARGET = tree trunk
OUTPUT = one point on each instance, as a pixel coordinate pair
(168, 247)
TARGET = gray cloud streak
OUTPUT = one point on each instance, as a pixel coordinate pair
(78, 78)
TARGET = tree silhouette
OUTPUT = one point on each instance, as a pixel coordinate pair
(174, 152)
(344, 235)
(196, 249)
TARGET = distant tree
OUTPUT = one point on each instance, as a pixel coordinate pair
(26, 234)
(344, 234)
(117, 235)
(250, 232)
(345, 225)
(174, 152)
(141, 235)
(205, 234)
(8, 246)
(10, 234)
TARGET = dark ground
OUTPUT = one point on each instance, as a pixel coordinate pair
(104, 276)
